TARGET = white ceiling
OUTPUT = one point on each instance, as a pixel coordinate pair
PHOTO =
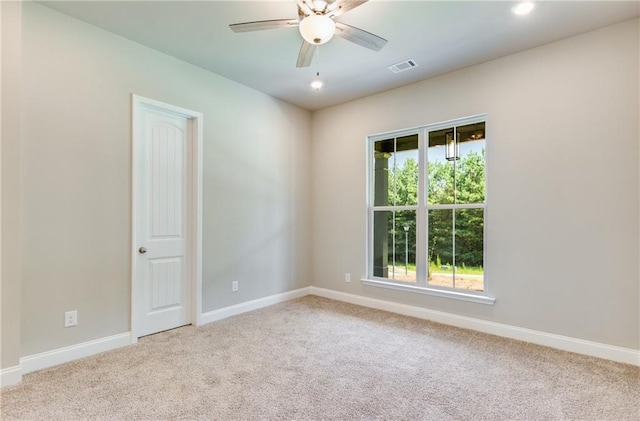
(441, 36)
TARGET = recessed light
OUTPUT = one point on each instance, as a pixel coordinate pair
(316, 84)
(522, 8)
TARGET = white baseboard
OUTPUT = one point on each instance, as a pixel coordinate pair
(565, 343)
(28, 364)
(223, 313)
(69, 353)
(13, 375)
(10, 376)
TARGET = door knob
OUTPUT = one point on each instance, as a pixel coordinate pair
(142, 250)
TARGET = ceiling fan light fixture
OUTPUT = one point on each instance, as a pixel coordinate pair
(317, 29)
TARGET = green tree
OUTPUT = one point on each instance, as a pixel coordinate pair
(404, 193)
(470, 178)
(403, 184)
(459, 182)
(441, 182)
(448, 183)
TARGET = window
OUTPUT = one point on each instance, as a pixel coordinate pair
(426, 209)
(395, 199)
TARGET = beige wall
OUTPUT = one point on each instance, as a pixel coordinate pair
(557, 192)
(11, 182)
(77, 176)
(563, 189)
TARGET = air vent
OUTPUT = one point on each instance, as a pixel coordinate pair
(403, 65)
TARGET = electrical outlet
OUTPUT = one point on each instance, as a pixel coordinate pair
(71, 318)
(234, 286)
(347, 277)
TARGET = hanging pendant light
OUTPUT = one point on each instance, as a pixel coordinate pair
(452, 148)
(317, 29)
(317, 83)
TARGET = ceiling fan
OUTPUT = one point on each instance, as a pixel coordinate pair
(317, 25)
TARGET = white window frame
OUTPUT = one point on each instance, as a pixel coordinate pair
(422, 286)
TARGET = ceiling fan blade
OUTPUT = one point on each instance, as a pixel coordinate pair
(306, 54)
(339, 7)
(303, 9)
(360, 36)
(263, 24)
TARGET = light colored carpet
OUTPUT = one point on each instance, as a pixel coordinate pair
(317, 359)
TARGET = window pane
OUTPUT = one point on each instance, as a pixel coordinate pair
(440, 247)
(440, 171)
(404, 265)
(470, 172)
(394, 247)
(382, 175)
(469, 246)
(382, 221)
(406, 170)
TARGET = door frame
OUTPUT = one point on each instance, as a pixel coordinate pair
(194, 198)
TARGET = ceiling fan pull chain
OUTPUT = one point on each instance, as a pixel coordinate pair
(316, 84)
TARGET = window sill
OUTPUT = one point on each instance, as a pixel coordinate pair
(474, 298)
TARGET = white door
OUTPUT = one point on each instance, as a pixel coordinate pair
(163, 234)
